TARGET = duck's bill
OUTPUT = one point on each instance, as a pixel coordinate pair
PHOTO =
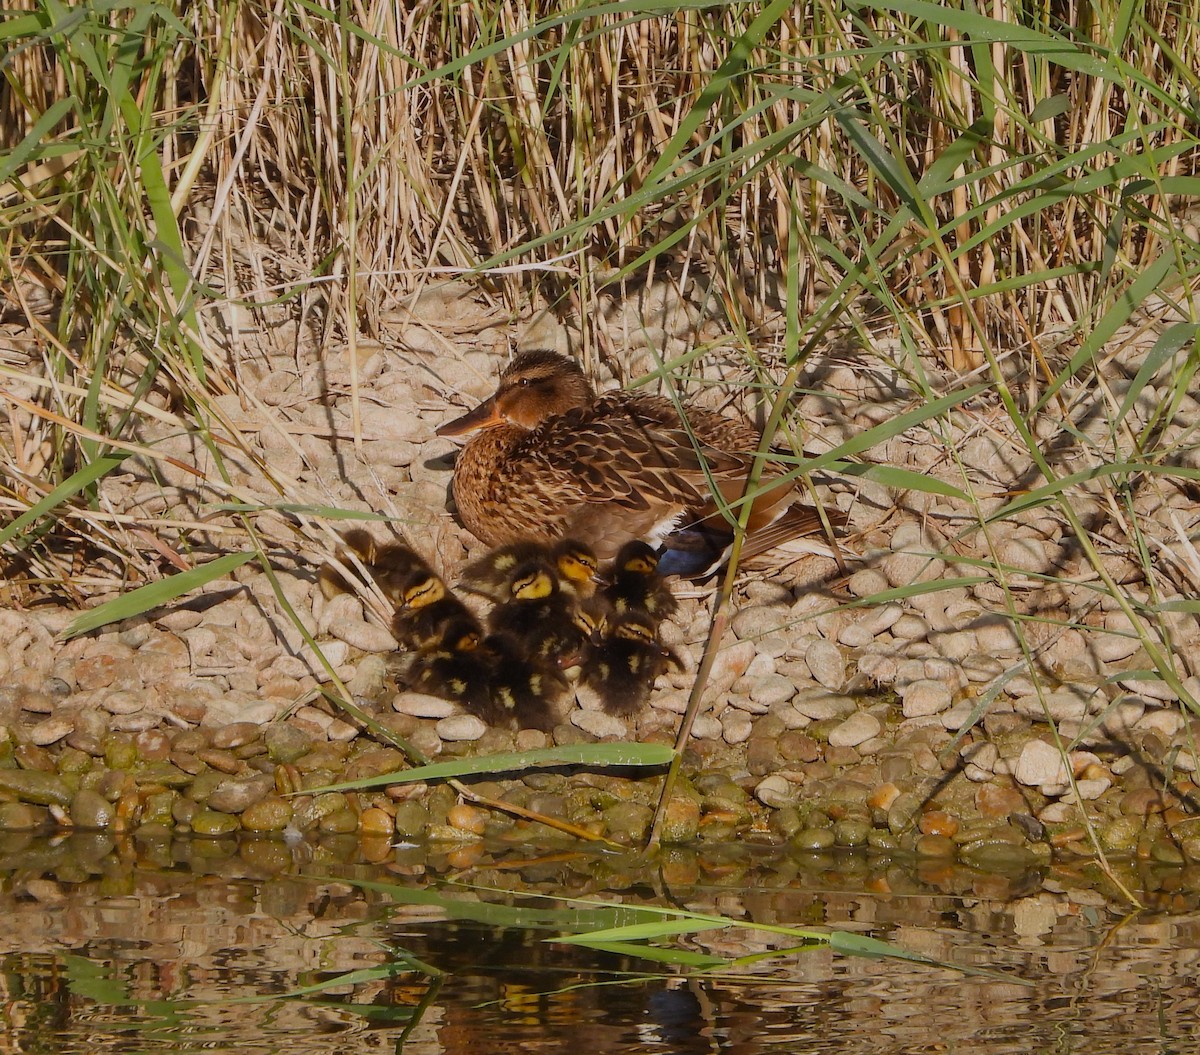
(482, 416)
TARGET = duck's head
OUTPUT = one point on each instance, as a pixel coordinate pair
(577, 564)
(533, 582)
(633, 626)
(636, 558)
(421, 590)
(535, 386)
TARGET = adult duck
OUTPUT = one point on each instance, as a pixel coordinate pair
(546, 458)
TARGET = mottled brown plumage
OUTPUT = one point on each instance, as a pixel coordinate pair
(549, 459)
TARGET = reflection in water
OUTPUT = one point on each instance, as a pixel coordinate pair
(130, 947)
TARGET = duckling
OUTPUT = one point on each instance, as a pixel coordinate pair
(462, 672)
(575, 567)
(634, 584)
(428, 615)
(535, 608)
(390, 564)
(566, 642)
(527, 691)
(623, 668)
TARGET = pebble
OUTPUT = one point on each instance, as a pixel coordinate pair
(819, 705)
(51, 730)
(461, 727)
(598, 723)
(36, 786)
(776, 791)
(731, 662)
(925, 697)
(420, 705)
(856, 729)
(1061, 705)
(826, 664)
(772, 689)
(736, 727)
(1041, 765)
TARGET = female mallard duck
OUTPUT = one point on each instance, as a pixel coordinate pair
(623, 669)
(549, 459)
(574, 563)
(634, 584)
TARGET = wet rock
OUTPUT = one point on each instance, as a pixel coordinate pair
(21, 817)
(89, 809)
(1141, 802)
(211, 823)
(1041, 765)
(235, 794)
(285, 743)
(268, 814)
(681, 820)
(814, 839)
(36, 786)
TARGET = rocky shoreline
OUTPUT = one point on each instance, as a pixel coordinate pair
(970, 687)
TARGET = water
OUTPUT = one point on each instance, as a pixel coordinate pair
(177, 946)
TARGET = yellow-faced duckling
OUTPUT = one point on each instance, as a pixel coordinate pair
(623, 669)
(574, 564)
(546, 457)
(428, 615)
(634, 584)
(527, 692)
(536, 606)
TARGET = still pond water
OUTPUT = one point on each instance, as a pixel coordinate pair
(177, 946)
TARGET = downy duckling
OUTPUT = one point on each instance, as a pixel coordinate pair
(526, 691)
(575, 567)
(390, 564)
(536, 607)
(634, 584)
(460, 671)
(428, 615)
(622, 670)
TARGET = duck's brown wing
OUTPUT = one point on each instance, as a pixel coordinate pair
(627, 473)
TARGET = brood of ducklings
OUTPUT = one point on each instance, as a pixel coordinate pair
(623, 668)
(574, 564)
(634, 584)
(428, 615)
(528, 692)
